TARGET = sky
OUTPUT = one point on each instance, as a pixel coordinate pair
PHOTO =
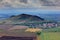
(29, 6)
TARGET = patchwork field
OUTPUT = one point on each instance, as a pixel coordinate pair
(44, 35)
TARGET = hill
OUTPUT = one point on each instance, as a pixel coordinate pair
(23, 18)
(17, 21)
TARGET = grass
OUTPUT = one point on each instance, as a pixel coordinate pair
(50, 36)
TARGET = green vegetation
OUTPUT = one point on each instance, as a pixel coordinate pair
(50, 36)
(52, 30)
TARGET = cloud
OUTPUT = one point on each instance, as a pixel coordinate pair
(29, 4)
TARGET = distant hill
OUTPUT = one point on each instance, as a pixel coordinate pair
(28, 20)
(54, 17)
(23, 18)
(26, 16)
(17, 21)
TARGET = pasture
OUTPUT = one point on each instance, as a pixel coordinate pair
(50, 36)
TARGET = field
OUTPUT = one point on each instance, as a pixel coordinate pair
(50, 36)
(45, 35)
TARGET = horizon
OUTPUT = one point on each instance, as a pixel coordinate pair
(29, 11)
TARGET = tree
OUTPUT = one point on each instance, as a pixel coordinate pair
(38, 35)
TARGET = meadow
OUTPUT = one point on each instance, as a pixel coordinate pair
(50, 36)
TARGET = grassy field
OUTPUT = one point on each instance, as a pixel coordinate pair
(50, 36)
(45, 35)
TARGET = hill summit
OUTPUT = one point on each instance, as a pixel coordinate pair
(26, 17)
(23, 18)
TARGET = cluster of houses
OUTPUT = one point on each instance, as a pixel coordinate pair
(44, 25)
(48, 25)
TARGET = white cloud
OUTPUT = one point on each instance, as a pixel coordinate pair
(44, 4)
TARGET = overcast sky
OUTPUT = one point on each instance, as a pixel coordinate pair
(40, 6)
